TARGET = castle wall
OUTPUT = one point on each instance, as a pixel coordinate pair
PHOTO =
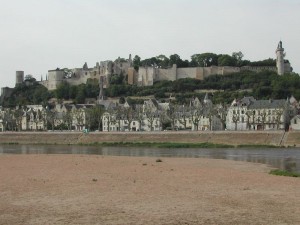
(132, 76)
(55, 77)
(287, 68)
(259, 68)
(230, 69)
(187, 73)
(146, 76)
(6, 92)
(207, 71)
(167, 74)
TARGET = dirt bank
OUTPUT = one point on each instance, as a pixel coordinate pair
(222, 137)
(73, 189)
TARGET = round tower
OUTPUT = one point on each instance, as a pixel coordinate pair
(19, 77)
(280, 59)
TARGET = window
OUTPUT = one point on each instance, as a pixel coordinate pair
(295, 121)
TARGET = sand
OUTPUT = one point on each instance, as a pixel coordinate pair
(86, 189)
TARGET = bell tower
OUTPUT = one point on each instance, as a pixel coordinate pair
(280, 59)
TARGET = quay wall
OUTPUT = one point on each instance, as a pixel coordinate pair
(218, 137)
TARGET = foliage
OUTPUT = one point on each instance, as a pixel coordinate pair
(116, 79)
(78, 93)
(24, 94)
(284, 173)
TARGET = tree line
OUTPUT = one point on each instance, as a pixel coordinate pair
(201, 60)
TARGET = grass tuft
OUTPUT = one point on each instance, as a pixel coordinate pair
(284, 173)
(160, 145)
(257, 146)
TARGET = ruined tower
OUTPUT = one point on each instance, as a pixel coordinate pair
(19, 77)
(280, 59)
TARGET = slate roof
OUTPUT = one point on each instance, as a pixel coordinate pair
(267, 104)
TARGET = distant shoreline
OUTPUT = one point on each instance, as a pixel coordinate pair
(167, 138)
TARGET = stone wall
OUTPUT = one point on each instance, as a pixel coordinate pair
(187, 73)
(217, 137)
(146, 75)
(167, 74)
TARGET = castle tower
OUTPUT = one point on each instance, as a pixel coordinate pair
(130, 60)
(280, 59)
(101, 92)
(19, 77)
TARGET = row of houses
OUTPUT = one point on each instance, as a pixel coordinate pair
(244, 114)
(199, 115)
(39, 118)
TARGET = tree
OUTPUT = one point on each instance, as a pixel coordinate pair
(80, 95)
(196, 113)
(79, 117)
(51, 117)
(139, 115)
(263, 116)
(222, 113)
(68, 119)
(62, 91)
(97, 113)
(226, 60)
(129, 115)
(278, 115)
(204, 59)
(163, 61)
(251, 115)
(172, 114)
(122, 100)
(151, 115)
(175, 59)
(238, 56)
(8, 120)
(235, 120)
(18, 115)
(136, 62)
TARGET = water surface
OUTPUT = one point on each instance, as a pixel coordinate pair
(282, 158)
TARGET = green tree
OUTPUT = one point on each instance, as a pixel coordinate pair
(136, 62)
(204, 59)
(226, 60)
(238, 56)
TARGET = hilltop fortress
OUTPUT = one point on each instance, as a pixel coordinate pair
(146, 76)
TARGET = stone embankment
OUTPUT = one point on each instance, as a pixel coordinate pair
(278, 138)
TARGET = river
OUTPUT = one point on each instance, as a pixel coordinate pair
(282, 158)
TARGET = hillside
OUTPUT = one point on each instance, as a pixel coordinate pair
(262, 85)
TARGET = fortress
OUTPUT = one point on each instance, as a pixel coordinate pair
(146, 76)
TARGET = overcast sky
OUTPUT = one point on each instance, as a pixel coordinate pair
(39, 35)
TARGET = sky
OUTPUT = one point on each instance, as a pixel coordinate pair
(40, 35)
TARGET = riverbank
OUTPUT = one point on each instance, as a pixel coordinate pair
(272, 138)
(82, 189)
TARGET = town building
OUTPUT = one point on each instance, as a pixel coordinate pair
(251, 114)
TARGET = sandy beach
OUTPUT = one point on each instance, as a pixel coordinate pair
(86, 189)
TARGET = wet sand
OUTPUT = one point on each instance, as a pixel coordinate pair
(88, 189)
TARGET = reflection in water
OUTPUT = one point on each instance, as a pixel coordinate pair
(283, 158)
